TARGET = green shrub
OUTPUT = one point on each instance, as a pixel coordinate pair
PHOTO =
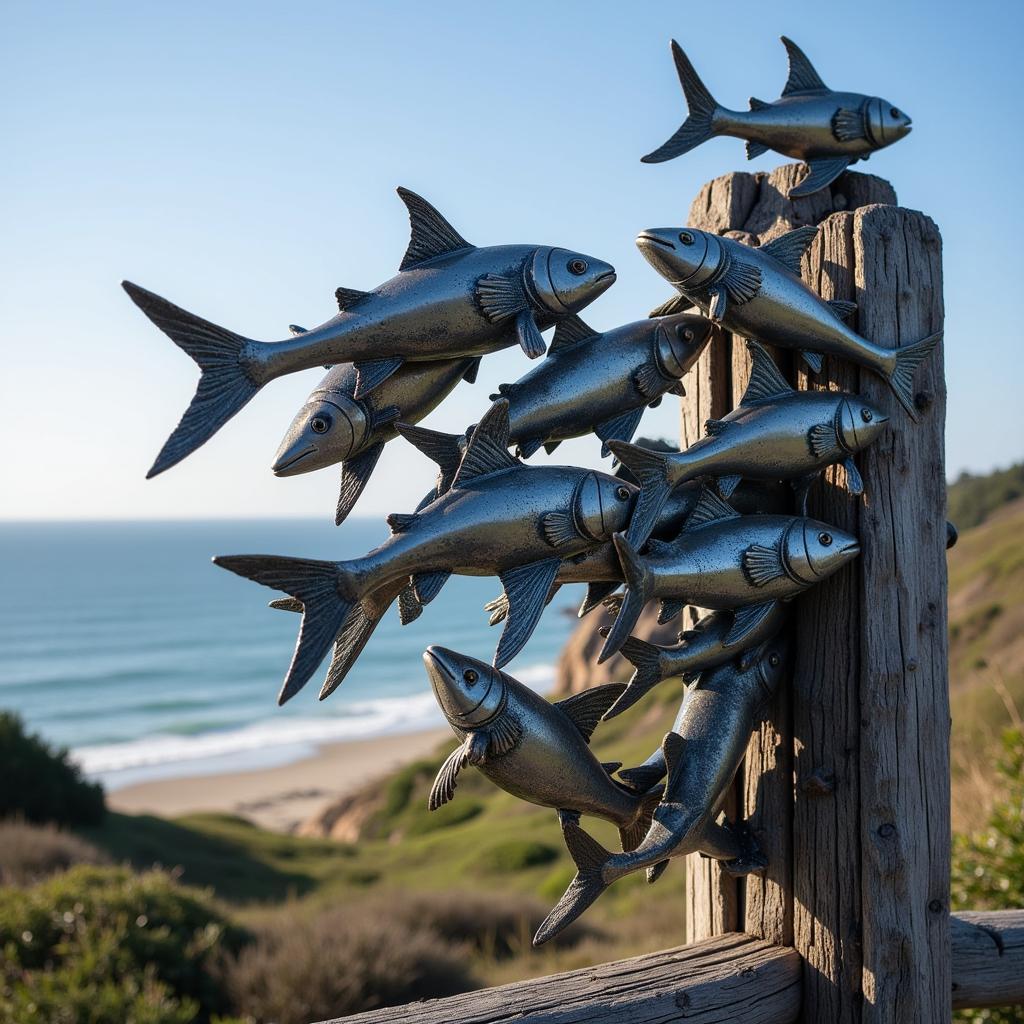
(30, 853)
(102, 946)
(516, 855)
(338, 963)
(972, 499)
(40, 783)
(452, 813)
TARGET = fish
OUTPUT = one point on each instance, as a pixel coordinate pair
(334, 426)
(602, 381)
(701, 755)
(825, 129)
(703, 647)
(775, 433)
(722, 560)
(498, 517)
(450, 299)
(533, 749)
(757, 292)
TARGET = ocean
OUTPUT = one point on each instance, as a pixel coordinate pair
(122, 642)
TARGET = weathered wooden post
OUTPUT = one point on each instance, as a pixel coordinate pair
(847, 786)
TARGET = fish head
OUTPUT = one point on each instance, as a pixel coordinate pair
(773, 660)
(812, 550)
(680, 340)
(685, 257)
(470, 692)
(858, 423)
(564, 282)
(602, 504)
(325, 431)
(885, 123)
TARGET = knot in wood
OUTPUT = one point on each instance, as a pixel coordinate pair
(887, 831)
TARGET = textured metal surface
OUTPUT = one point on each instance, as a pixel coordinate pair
(450, 299)
(828, 130)
(701, 756)
(757, 292)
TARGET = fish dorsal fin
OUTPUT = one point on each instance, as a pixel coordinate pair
(802, 76)
(571, 330)
(487, 451)
(431, 235)
(756, 104)
(295, 330)
(348, 297)
(586, 709)
(714, 428)
(710, 508)
(788, 249)
(399, 522)
(672, 751)
(444, 449)
(765, 380)
(444, 785)
(677, 304)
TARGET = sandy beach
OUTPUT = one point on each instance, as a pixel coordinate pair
(282, 797)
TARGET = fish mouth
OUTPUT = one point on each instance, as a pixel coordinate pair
(288, 461)
(608, 275)
(653, 239)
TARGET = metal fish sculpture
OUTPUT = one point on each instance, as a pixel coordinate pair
(499, 517)
(827, 130)
(703, 647)
(602, 382)
(334, 426)
(719, 712)
(724, 560)
(775, 433)
(450, 299)
(758, 293)
(531, 748)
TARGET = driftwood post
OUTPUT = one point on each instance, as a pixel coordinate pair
(847, 786)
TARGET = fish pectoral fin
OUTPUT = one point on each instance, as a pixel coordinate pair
(634, 834)
(650, 382)
(823, 439)
(587, 708)
(569, 331)
(848, 125)
(788, 249)
(348, 297)
(746, 620)
(527, 588)
(812, 359)
(621, 428)
(854, 483)
(677, 304)
(803, 79)
(531, 341)
(558, 528)
(444, 785)
(430, 235)
(819, 174)
(487, 448)
(476, 747)
(717, 306)
(354, 475)
(766, 382)
(371, 375)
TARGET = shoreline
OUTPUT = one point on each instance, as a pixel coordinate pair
(281, 797)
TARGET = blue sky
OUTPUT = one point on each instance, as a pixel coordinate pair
(241, 159)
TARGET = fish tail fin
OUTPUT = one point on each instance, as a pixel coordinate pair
(633, 834)
(224, 385)
(641, 778)
(908, 359)
(590, 857)
(699, 125)
(654, 473)
(319, 586)
(646, 660)
(638, 586)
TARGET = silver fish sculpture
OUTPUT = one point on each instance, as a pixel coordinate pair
(723, 560)
(499, 517)
(334, 426)
(757, 292)
(703, 647)
(827, 130)
(775, 433)
(718, 715)
(450, 299)
(533, 749)
(602, 382)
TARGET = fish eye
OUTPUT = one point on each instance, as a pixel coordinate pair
(622, 493)
(577, 267)
(894, 112)
(470, 676)
(686, 237)
(686, 333)
(825, 539)
(866, 415)
(773, 660)
(320, 424)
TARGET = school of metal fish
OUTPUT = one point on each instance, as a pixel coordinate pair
(721, 526)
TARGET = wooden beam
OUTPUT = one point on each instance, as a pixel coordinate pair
(732, 977)
(988, 958)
